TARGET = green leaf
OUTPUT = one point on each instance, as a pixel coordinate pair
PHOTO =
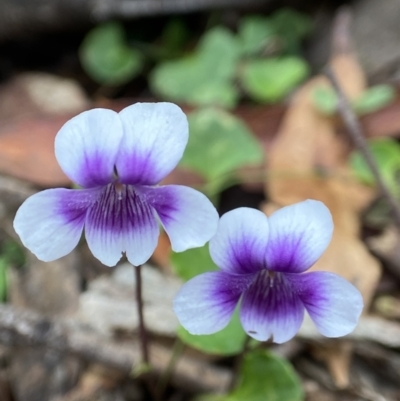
(12, 252)
(254, 34)
(263, 376)
(192, 262)
(269, 80)
(3, 279)
(174, 35)
(228, 341)
(325, 100)
(374, 99)
(219, 143)
(106, 57)
(291, 27)
(205, 77)
(386, 153)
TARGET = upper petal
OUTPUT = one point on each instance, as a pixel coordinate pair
(241, 241)
(155, 137)
(50, 223)
(188, 216)
(204, 305)
(299, 235)
(270, 309)
(121, 222)
(332, 302)
(86, 147)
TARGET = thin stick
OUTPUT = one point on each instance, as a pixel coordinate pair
(142, 327)
(356, 134)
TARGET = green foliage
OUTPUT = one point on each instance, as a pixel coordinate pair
(174, 36)
(192, 262)
(269, 80)
(374, 99)
(10, 254)
(386, 153)
(206, 77)
(291, 27)
(263, 376)
(228, 341)
(107, 58)
(325, 100)
(203, 78)
(218, 144)
(254, 34)
(3, 279)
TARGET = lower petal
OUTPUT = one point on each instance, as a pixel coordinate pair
(188, 217)
(332, 302)
(204, 305)
(121, 222)
(50, 223)
(270, 309)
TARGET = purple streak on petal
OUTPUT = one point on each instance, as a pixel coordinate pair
(299, 235)
(241, 241)
(50, 222)
(188, 217)
(121, 222)
(271, 309)
(155, 136)
(204, 305)
(86, 147)
(333, 303)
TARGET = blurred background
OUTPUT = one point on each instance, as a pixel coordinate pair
(267, 129)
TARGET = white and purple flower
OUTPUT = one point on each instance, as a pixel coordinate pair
(262, 262)
(118, 158)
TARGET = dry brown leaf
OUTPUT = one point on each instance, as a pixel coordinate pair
(27, 151)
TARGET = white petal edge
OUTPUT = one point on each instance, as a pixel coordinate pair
(299, 235)
(205, 304)
(46, 227)
(87, 146)
(333, 304)
(241, 241)
(187, 215)
(155, 137)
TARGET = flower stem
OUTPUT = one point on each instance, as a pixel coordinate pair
(142, 327)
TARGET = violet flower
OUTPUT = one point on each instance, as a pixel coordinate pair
(262, 262)
(118, 158)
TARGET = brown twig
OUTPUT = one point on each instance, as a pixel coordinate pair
(355, 131)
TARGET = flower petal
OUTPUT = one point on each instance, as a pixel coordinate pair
(299, 235)
(333, 303)
(240, 242)
(155, 136)
(121, 222)
(86, 147)
(204, 305)
(188, 217)
(271, 309)
(50, 223)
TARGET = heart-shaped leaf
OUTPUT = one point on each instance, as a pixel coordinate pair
(269, 80)
(107, 58)
(203, 78)
(219, 143)
(263, 376)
